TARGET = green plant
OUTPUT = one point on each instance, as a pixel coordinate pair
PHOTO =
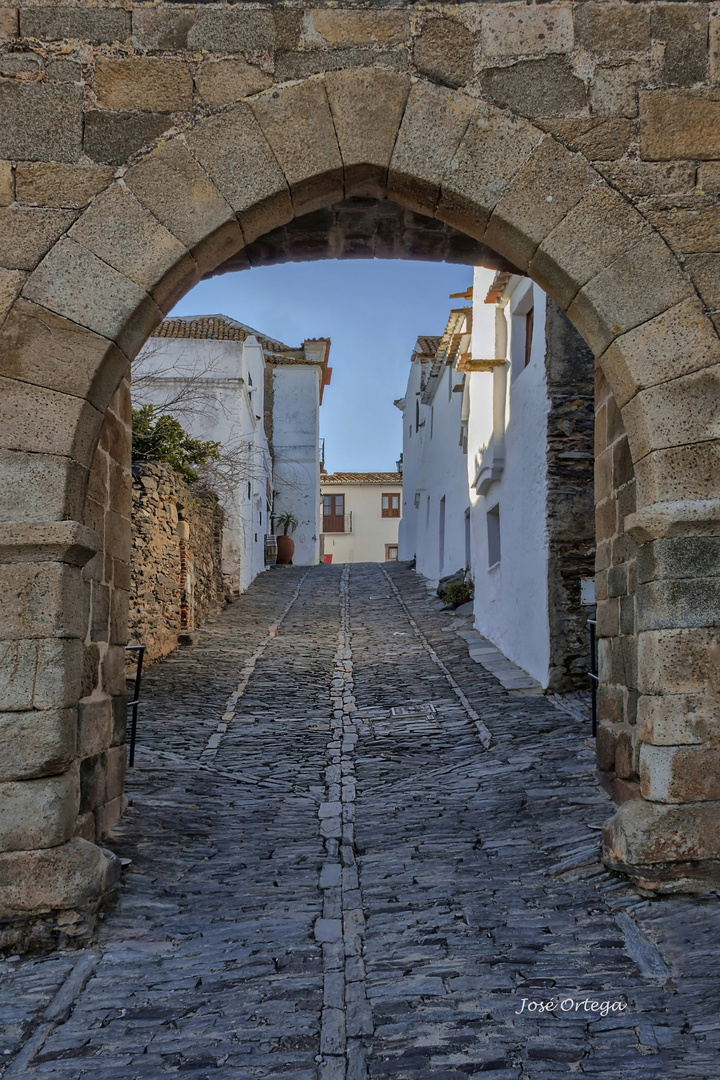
(287, 522)
(458, 592)
(163, 438)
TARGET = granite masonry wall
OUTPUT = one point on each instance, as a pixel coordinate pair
(176, 572)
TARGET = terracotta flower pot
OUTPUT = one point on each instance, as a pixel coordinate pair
(285, 550)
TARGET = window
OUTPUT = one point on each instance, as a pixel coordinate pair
(529, 324)
(468, 547)
(390, 505)
(493, 534)
(333, 513)
(441, 535)
(450, 376)
(417, 414)
(432, 420)
(391, 552)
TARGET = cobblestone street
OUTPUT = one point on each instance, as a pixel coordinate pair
(354, 855)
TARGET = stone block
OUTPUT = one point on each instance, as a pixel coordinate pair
(676, 719)
(95, 726)
(118, 229)
(679, 473)
(617, 299)
(674, 343)
(113, 670)
(605, 746)
(115, 774)
(644, 833)
(545, 189)
(327, 26)
(649, 177)
(592, 236)
(43, 600)
(99, 611)
(683, 30)
(112, 137)
(222, 82)
(602, 27)
(626, 756)
(143, 83)
(61, 185)
(9, 25)
(63, 71)
(120, 719)
(704, 270)
(43, 348)
(94, 26)
(119, 616)
(7, 183)
(11, 282)
(610, 704)
(297, 123)
(117, 536)
(613, 91)
(92, 783)
(74, 282)
(26, 235)
(39, 420)
(12, 64)
(367, 107)
(523, 30)
(433, 124)
(108, 815)
(598, 139)
(41, 122)
(234, 152)
(115, 438)
(39, 813)
(493, 149)
(56, 878)
(677, 124)
(690, 226)
(234, 30)
(678, 774)
(162, 29)
(536, 87)
(685, 413)
(306, 62)
(170, 182)
(444, 51)
(36, 743)
(608, 617)
(687, 603)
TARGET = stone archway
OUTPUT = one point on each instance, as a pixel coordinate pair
(197, 198)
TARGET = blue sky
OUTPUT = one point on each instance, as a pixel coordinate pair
(372, 309)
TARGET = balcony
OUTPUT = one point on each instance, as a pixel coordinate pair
(338, 523)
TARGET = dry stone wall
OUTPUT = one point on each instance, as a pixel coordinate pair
(176, 570)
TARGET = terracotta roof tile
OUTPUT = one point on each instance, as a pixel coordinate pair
(361, 478)
(223, 328)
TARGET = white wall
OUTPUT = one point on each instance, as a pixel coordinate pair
(434, 469)
(225, 404)
(507, 442)
(370, 530)
(296, 463)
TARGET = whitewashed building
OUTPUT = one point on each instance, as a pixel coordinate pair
(260, 399)
(507, 487)
(360, 516)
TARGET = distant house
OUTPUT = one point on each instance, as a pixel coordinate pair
(260, 399)
(361, 513)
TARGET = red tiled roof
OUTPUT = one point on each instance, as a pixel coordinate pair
(361, 478)
(223, 328)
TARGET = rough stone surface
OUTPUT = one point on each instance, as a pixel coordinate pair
(469, 885)
(444, 50)
(154, 85)
(40, 122)
(51, 184)
(221, 82)
(176, 585)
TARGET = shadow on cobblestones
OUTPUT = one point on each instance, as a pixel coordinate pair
(234, 952)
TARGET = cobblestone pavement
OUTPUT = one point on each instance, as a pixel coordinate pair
(335, 877)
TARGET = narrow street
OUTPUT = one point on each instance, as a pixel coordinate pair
(334, 877)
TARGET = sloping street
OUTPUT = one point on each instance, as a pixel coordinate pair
(352, 854)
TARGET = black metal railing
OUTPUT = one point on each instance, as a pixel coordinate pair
(593, 673)
(133, 704)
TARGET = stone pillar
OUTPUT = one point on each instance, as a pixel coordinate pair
(44, 866)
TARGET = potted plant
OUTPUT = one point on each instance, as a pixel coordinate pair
(285, 544)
